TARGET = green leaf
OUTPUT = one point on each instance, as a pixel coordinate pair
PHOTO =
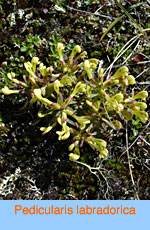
(118, 19)
(24, 49)
(111, 26)
(129, 15)
(109, 123)
(135, 132)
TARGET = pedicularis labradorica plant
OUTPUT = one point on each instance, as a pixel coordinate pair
(78, 99)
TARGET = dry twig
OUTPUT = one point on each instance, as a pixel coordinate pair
(129, 163)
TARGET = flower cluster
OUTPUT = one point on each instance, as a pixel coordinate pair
(78, 99)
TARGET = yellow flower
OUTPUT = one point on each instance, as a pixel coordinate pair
(76, 49)
(45, 101)
(142, 105)
(142, 115)
(57, 85)
(80, 87)
(94, 61)
(131, 80)
(89, 90)
(82, 120)
(8, 91)
(127, 115)
(117, 124)
(103, 153)
(82, 55)
(112, 104)
(98, 144)
(60, 48)
(43, 70)
(66, 80)
(118, 97)
(141, 95)
(121, 72)
(65, 133)
(11, 75)
(28, 67)
(87, 69)
(34, 62)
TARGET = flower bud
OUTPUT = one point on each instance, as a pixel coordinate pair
(46, 129)
(73, 157)
(4, 64)
(64, 117)
(73, 145)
